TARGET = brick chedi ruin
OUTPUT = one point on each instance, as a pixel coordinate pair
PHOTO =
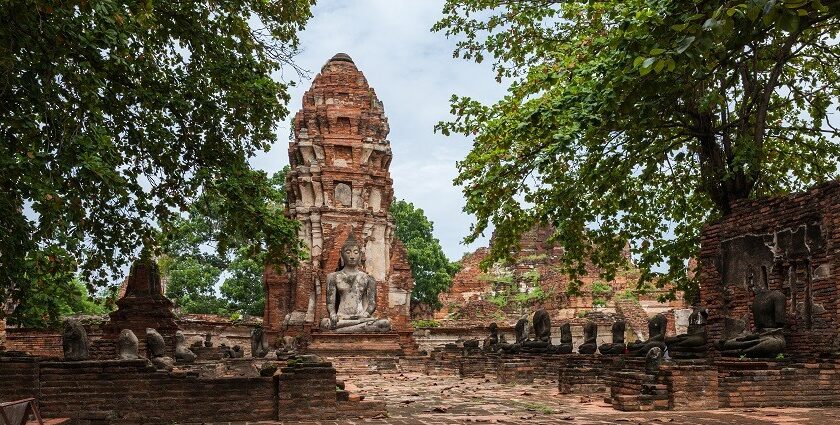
(504, 293)
(340, 189)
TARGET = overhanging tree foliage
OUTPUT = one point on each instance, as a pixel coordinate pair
(431, 270)
(642, 120)
(193, 272)
(117, 115)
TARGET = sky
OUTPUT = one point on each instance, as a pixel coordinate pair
(414, 74)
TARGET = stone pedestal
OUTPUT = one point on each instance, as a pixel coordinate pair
(638, 391)
(341, 344)
(514, 371)
(583, 374)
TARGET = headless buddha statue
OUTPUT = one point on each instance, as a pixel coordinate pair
(617, 345)
(693, 343)
(768, 341)
(590, 338)
(656, 337)
(351, 296)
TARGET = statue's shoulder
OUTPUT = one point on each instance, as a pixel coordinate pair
(777, 295)
(331, 276)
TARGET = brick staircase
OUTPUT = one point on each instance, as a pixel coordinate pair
(634, 316)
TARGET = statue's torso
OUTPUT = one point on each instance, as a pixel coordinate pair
(351, 288)
(764, 309)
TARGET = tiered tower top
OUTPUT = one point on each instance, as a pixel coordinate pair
(341, 130)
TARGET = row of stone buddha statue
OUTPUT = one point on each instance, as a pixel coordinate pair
(76, 346)
(767, 341)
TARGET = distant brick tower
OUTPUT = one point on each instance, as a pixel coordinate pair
(339, 184)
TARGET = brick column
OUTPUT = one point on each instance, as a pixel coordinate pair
(307, 392)
(2, 334)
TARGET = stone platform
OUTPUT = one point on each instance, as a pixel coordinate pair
(355, 344)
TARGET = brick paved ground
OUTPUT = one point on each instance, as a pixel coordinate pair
(421, 399)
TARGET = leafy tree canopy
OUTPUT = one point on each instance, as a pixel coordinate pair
(46, 307)
(641, 120)
(193, 272)
(431, 270)
(118, 115)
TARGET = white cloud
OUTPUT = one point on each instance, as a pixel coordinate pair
(414, 74)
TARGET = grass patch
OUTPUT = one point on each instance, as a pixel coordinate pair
(541, 408)
(425, 323)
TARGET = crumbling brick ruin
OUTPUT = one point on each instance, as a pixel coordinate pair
(792, 243)
(504, 294)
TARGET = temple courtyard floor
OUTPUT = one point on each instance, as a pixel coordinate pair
(423, 399)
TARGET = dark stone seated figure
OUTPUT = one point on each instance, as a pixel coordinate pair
(182, 352)
(768, 341)
(74, 341)
(542, 334)
(259, 343)
(471, 344)
(156, 350)
(617, 346)
(692, 344)
(590, 338)
(491, 341)
(521, 331)
(653, 360)
(127, 344)
(565, 346)
(656, 337)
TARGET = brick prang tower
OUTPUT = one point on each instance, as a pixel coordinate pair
(339, 185)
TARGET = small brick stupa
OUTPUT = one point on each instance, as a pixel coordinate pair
(143, 305)
(339, 185)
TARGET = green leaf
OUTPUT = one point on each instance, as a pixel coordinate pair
(685, 43)
(788, 22)
(660, 65)
(638, 61)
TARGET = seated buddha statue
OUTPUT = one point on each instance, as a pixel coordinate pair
(768, 341)
(565, 346)
(351, 296)
(521, 331)
(590, 338)
(656, 337)
(693, 343)
(617, 345)
(542, 334)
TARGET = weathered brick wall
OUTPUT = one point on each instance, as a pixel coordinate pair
(18, 378)
(799, 232)
(43, 343)
(637, 391)
(221, 330)
(131, 392)
(444, 361)
(692, 385)
(778, 383)
(514, 371)
(477, 365)
(583, 374)
(307, 391)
